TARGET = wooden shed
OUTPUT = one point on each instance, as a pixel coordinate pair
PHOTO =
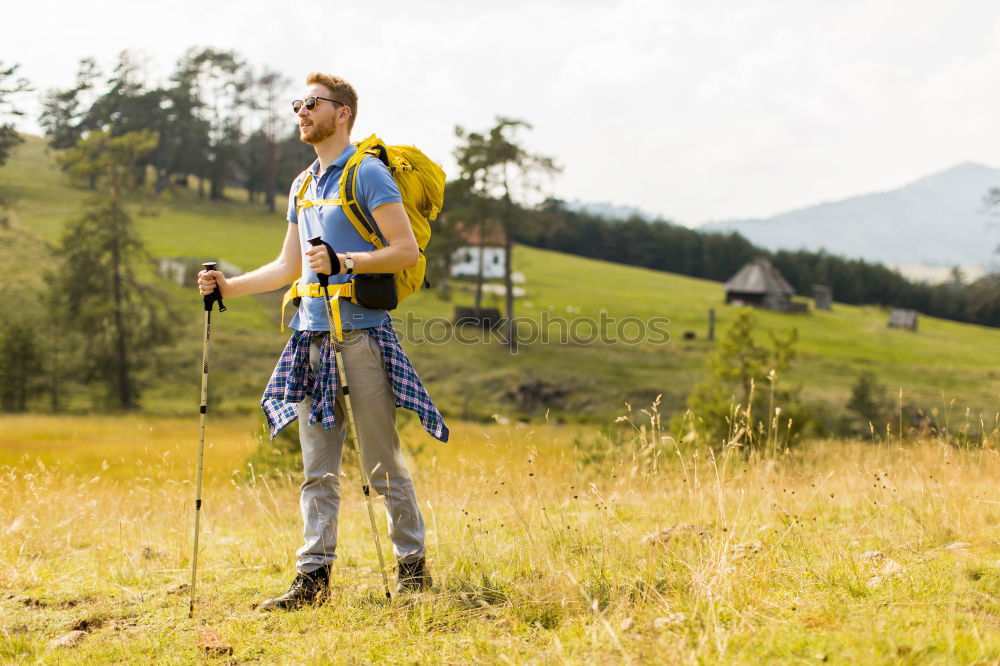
(822, 297)
(903, 318)
(761, 285)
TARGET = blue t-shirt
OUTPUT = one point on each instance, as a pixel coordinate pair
(375, 187)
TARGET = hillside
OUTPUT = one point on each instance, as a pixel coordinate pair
(937, 220)
(944, 361)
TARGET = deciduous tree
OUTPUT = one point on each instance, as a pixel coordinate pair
(501, 168)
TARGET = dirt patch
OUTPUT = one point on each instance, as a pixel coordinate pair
(211, 642)
(819, 621)
(26, 601)
(127, 625)
(88, 623)
(532, 395)
(73, 603)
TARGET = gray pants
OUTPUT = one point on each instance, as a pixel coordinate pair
(374, 408)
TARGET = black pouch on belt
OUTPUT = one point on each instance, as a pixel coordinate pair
(376, 291)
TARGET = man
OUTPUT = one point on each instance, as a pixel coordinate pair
(304, 383)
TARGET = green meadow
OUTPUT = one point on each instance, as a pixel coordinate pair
(945, 366)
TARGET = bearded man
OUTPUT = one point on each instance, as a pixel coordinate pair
(304, 383)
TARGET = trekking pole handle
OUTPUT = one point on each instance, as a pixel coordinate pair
(324, 279)
(215, 295)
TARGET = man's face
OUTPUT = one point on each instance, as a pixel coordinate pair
(320, 123)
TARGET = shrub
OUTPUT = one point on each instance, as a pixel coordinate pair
(741, 400)
(868, 405)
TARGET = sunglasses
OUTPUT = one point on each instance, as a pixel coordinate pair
(310, 103)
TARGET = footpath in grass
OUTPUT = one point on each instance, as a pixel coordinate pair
(546, 545)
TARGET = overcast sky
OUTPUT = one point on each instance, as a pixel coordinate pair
(696, 111)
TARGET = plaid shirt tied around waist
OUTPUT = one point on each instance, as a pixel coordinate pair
(293, 378)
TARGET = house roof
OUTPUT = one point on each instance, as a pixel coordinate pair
(759, 277)
(470, 233)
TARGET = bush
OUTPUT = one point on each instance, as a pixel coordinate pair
(741, 400)
(869, 405)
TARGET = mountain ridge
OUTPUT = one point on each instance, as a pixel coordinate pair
(930, 224)
(937, 220)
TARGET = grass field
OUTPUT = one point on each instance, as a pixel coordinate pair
(549, 544)
(946, 366)
(556, 534)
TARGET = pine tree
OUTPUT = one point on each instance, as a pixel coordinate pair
(123, 320)
(20, 364)
(742, 390)
(9, 136)
(869, 403)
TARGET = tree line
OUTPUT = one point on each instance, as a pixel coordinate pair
(664, 246)
(215, 120)
(218, 120)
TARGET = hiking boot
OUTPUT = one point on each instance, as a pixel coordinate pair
(412, 576)
(307, 589)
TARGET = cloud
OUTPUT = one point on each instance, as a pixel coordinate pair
(695, 111)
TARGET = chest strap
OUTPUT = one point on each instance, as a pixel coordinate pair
(309, 203)
(313, 290)
(301, 203)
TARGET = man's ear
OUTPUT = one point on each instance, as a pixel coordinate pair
(345, 113)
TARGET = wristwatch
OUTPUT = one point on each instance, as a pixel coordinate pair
(348, 263)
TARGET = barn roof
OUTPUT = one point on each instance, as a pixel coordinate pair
(759, 277)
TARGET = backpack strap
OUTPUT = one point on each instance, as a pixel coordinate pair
(306, 177)
(355, 212)
(299, 288)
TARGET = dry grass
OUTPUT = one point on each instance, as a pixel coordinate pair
(547, 545)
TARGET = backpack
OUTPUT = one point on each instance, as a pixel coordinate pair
(421, 184)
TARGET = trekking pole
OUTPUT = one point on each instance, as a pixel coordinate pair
(324, 281)
(209, 300)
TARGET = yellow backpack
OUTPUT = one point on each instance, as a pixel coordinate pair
(421, 184)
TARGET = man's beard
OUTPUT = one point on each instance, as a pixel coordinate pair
(320, 132)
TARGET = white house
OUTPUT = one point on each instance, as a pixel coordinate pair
(184, 270)
(465, 262)
(488, 245)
